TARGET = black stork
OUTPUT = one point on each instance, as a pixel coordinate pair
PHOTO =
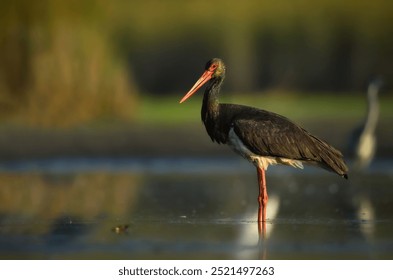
(262, 137)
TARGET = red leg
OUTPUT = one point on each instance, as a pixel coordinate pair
(262, 197)
(262, 200)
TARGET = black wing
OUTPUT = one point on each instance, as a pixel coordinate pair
(269, 134)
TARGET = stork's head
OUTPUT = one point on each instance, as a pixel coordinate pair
(214, 69)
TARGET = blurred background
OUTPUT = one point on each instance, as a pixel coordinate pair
(97, 70)
(77, 62)
(86, 83)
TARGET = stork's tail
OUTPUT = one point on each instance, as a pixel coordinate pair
(332, 159)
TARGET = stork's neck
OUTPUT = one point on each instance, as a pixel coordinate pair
(210, 105)
(372, 108)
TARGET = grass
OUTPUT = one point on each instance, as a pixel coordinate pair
(296, 106)
(299, 107)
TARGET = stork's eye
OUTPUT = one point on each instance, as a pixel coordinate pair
(213, 66)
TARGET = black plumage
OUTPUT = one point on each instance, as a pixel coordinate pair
(260, 136)
(269, 134)
(265, 133)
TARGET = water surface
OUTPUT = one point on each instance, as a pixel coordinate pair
(160, 208)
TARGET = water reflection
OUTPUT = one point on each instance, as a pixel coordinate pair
(169, 209)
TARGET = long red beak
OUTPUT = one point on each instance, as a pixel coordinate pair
(207, 75)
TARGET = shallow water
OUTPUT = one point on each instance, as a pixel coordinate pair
(190, 209)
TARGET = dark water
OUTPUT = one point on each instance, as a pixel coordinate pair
(190, 209)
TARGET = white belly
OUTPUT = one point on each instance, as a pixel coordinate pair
(261, 161)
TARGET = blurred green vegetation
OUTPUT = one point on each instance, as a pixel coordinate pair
(58, 66)
(63, 63)
(297, 106)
